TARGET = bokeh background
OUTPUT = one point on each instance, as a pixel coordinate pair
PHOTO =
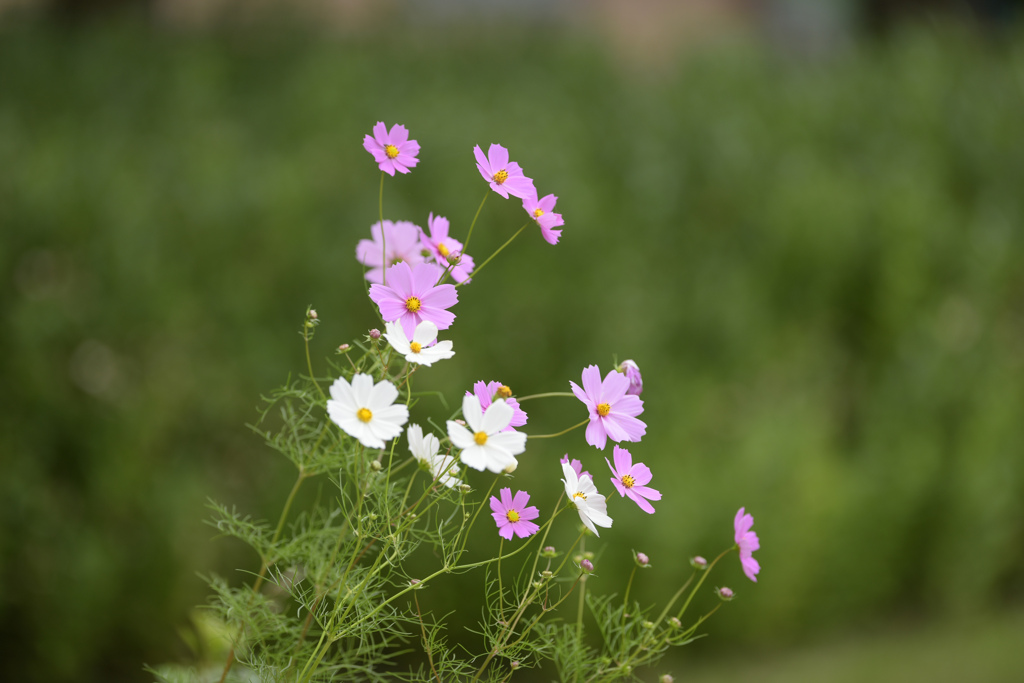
(804, 220)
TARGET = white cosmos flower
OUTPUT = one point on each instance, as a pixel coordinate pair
(365, 410)
(425, 449)
(484, 445)
(589, 503)
(418, 350)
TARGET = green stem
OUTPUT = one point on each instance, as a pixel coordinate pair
(309, 363)
(465, 247)
(489, 258)
(564, 431)
(549, 394)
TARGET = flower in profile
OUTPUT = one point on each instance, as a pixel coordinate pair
(425, 447)
(632, 372)
(587, 566)
(366, 410)
(747, 542)
(576, 465)
(505, 177)
(401, 242)
(631, 480)
(419, 349)
(392, 150)
(591, 505)
(725, 593)
(612, 411)
(412, 295)
(486, 392)
(541, 210)
(484, 444)
(442, 247)
(512, 516)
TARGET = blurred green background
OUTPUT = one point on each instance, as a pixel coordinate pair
(815, 259)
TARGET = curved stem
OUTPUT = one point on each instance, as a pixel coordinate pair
(564, 431)
(465, 247)
(489, 258)
(309, 363)
(549, 394)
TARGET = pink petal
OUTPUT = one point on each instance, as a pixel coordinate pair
(498, 158)
(506, 499)
(482, 163)
(380, 132)
(641, 474)
(424, 277)
(596, 435)
(398, 135)
(548, 203)
(399, 278)
(626, 405)
(497, 508)
(623, 461)
(634, 428)
(442, 296)
(592, 383)
(643, 504)
(520, 501)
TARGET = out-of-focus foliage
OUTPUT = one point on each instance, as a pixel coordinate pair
(817, 266)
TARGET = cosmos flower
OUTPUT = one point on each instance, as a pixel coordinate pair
(425, 447)
(505, 177)
(576, 465)
(412, 296)
(441, 246)
(512, 516)
(747, 542)
(591, 505)
(419, 349)
(392, 150)
(401, 243)
(612, 412)
(630, 480)
(488, 391)
(365, 410)
(632, 372)
(541, 210)
(484, 444)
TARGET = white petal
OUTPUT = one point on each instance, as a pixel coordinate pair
(381, 396)
(341, 391)
(425, 333)
(414, 433)
(362, 385)
(498, 416)
(472, 413)
(512, 442)
(473, 456)
(396, 415)
(497, 459)
(460, 436)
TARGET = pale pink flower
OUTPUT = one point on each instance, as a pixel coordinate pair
(612, 412)
(506, 177)
(392, 150)
(541, 210)
(401, 243)
(412, 296)
(441, 246)
(631, 480)
(512, 515)
(747, 542)
(632, 372)
(488, 391)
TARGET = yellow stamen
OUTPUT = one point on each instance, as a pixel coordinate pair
(628, 481)
(579, 494)
(512, 516)
(603, 409)
(480, 438)
(415, 347)
(501, 176)
(504, 392)
(391, 151)
(443, 250)
(538, 212)
(412, 304)
(364, 414)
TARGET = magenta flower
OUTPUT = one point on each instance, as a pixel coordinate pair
(505, 177)
(748, 543)
(540, 210)
(612, 412)
(631, 480)
(441, 246)
(632, 372)
(401, 243)
(412, 297)
(393, 151)
(576, 466)
(488, 391)
(512, 516)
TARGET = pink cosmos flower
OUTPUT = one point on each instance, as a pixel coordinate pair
(632, 372)
(512, 516)
(540, 210)
(631, 480)
(576, 466)
(401, 243)
(505, 177)
(487, 391)
(440, 246)
(393, 151)
(412, 297)
(748, 543)
(612, 412)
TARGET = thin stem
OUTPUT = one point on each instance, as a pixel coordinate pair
(548, 394)
(423, 629)
(564, 431)
(309, 363)
(489, 258)
(501, 591)
(465, 247)
(383, 243)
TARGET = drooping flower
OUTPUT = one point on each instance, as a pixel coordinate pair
(506, 177)
(484, 444)
(612, 412)
(419, 349)
(412, 295)
(392, 150)
(576, 465)
(512, 515)
(441, 247)
(401, 243)
(747, 542)
(632, 372)
(631, 480)
(366, 410)
(425, 447)
(591, 505)
(541, 210)
(486, 392)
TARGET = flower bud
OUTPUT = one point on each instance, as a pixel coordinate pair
(642, 560)
(460, 422)
(698, 563)
(312, 314)
(415, 583)
(725, 593)
(465, 488)
(375, 465)
(454, 258)
(587, 566)
(549, 551)
(344, 348)
(666, 678)
(632, 372)
(537, 584)
(675, 623)
(648, 625)
(547, 574)
(514, 665)
(375, 334)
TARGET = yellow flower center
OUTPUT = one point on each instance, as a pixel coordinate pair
(538, 212)
(603, 409)
(579, 494)
(415, 347)
(364, 414)
(504, 392)
(443, 250)
(628, 481)
(501, 176)
(480, 438)
(391, 151)
(512, 516)
(412, 304)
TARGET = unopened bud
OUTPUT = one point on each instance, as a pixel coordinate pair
(372, 516)
(666, 678)
(648, 625)
(454, 258)
(343, 348)
(698, 562)
(549, 551)
(375, 334)
(725, 593)
(642, 560)
(514, 665)
(465, 488)
(460, 422)
(537, 584)
(375, 465)
(587, 566)
(504, 391)
(309, 324)
(675, 623)
(546, 574)
(414, 582)
(312, 314)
